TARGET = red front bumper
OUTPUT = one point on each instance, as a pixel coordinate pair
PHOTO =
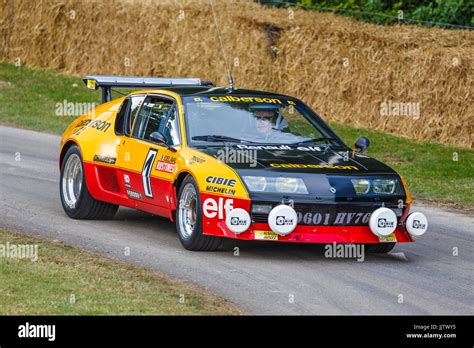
(311, 234)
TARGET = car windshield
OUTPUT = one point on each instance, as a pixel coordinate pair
(253, 119)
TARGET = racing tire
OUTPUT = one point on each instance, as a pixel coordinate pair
(189, 219)
(75, 197)
(379, 248)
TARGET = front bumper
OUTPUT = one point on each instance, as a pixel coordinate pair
(312, 234)
(260, 230)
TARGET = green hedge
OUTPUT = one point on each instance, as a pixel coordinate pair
(448, 13)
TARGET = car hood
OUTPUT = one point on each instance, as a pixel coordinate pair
(293, 159)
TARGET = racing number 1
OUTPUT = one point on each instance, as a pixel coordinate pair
(146, 171)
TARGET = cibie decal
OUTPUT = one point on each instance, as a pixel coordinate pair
(220, 181)
(166, 164)
(219, 208)
(146, 171)
(383, 223)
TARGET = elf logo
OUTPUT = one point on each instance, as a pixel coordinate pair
(212, 208)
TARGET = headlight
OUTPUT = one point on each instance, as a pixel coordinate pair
(275, 184)
(368, 186)
(361, 186)
(256, 183)
(384, 186)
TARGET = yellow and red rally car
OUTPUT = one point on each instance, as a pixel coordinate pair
(229, 163)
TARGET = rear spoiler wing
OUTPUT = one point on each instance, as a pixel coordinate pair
(106, 83)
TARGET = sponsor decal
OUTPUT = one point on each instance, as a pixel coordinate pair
(328, 219)
(418, 224)
(166, 164)
(219, 208)
(126, 179)
(383, 223)
(104, 159)
(221, 190)
(230, 98)
(134, 194)
(389, 238)
(196, 159)
(283, 221)
(102, 126)
(311, 166)
(221, 181)
(265, 235)
(237, 221)
(146, 172)
(216, 180)
(83, 123)
(279, 147)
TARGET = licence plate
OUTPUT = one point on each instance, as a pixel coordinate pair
(266, 235)
(389, 238)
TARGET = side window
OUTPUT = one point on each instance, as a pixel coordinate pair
(171, 128)
(157, 115)
(137, 101)
(127, 113)
(119, 120)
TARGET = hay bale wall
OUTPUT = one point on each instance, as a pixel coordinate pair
(343, 68)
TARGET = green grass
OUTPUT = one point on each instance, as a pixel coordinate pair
(429, 169)
(98, 285)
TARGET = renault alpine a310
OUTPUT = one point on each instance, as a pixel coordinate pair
(229, 163)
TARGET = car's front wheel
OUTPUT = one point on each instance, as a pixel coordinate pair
(189, 219)
(75, 197)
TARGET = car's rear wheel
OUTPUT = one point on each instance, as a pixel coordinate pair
(75, 197)
(380, 248)
(189, 219)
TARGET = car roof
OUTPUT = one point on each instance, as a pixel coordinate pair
(203, 91)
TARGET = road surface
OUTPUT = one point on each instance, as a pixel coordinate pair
(426, 277)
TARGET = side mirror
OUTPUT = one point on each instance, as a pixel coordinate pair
(362, 144)
(158, 138)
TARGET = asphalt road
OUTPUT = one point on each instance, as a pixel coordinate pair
(266, 278)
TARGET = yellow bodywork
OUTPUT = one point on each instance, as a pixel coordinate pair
(94, 134)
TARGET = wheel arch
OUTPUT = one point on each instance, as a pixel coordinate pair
(176, 186)
(64, 149)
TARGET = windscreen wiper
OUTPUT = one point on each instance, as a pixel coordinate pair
(217, 138)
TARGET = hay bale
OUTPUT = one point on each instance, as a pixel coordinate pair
(346, 70)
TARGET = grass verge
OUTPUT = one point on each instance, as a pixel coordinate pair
(29, 98)
(68, 281)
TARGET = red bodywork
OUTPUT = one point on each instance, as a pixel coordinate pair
(106, 183)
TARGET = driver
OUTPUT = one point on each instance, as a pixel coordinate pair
(265, 118)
